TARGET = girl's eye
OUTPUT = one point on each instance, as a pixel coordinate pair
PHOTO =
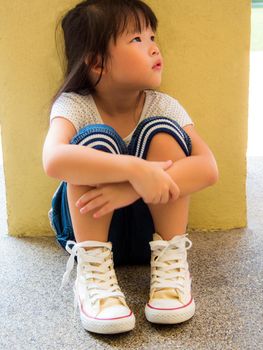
(137, 37)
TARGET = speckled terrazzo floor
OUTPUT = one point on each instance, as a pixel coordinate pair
(227, 270)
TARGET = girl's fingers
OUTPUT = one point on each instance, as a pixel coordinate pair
(174, 192)
(106, 209)
(165, 198)
(163, 164)
(98, 202)
(157, 199)
(88, 196)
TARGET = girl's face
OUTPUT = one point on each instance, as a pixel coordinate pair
(133, 59)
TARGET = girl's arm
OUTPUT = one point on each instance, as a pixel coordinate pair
(81, 165)
(197, 171)
(191, 174)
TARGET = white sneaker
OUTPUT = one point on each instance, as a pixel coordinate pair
(170, 293)
(102, 305)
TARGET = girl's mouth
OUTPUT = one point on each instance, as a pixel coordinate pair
(157, 65)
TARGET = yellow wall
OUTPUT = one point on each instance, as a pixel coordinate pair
(205, 45)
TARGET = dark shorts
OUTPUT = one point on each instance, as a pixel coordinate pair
(131, 227)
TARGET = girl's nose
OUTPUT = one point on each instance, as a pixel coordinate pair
(154, 50)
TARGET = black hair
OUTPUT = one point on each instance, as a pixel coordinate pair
(87, 31)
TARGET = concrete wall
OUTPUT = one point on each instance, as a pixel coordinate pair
(205, 45)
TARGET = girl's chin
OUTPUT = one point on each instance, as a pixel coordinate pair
(156, 85)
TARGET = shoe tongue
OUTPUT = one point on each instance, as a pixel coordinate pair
(95, 251)
(157, 237)
(92, 251)
(111, 301)
(165, 293)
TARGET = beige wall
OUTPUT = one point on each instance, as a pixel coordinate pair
(205, 45)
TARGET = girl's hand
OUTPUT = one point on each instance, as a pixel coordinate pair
(153, 184)
(108, 197)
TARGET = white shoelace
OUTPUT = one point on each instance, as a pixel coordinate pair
(104, 283)
(168, 256)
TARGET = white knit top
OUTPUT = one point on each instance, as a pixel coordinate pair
(82, 110)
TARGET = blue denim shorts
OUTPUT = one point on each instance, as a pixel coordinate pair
(131, 228)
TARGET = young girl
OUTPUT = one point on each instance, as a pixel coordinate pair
(128, 158)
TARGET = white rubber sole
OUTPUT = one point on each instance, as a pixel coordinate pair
(170, 316)
(108, 326)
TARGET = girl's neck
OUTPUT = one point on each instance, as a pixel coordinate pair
(119, 104)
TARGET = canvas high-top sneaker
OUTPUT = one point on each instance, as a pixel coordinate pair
(101, 303)
(170, 292)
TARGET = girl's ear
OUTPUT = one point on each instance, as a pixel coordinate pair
(97, 67)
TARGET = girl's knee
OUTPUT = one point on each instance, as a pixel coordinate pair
(165, 145)
(164, 131)
(163, 139)
(101, 137)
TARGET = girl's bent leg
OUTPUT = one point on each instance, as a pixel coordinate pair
(170, 299)
(170, 219)
(65, 218)
(104, 138)
(84, 225)
(102, 305)
(159, 139)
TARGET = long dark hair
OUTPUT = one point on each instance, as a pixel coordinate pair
(87, 30)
